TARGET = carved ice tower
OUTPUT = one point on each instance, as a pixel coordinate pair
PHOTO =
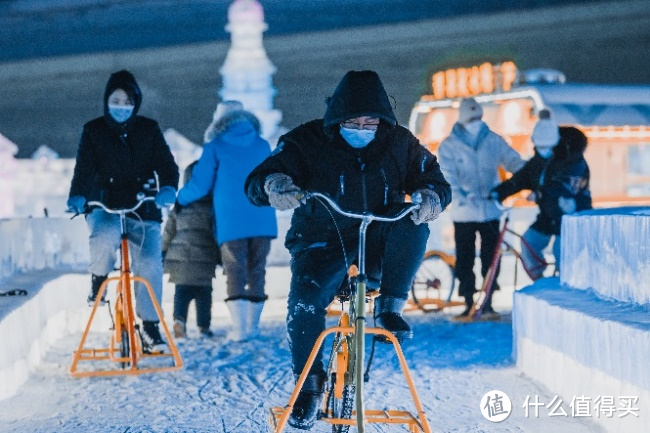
(247, 71)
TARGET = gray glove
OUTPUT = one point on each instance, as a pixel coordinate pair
(430, 207)
(283, 194)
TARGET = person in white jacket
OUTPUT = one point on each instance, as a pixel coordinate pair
(470, 158)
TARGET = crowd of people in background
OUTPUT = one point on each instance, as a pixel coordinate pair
(358, 154)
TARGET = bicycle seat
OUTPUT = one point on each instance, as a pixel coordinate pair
(372, 289)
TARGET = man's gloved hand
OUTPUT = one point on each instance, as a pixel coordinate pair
(430, 207)
(283, 194)
(567, 204)
(76, 204)
(165, 197)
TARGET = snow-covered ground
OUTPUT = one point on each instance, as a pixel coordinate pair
(228, 387)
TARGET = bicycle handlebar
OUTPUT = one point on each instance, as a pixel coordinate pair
(363, 216)
(120, 211)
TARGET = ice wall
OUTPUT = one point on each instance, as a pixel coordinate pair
(586, 334)
(55, 307)
(34, 252)
(608, 250)
(34, 244)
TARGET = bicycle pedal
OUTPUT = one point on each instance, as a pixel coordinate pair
(384, 340)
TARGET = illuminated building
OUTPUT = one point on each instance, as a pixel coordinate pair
(615, 118)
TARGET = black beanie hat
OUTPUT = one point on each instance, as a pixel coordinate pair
(123, 80)
(360, 93)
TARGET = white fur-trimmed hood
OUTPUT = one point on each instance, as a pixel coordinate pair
(220, 125)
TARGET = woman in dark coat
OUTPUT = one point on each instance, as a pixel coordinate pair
(120, 155)
(359, 156)
(558, 176)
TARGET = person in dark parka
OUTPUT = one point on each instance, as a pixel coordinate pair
(120, 155)
(558, 176)
(359, 156)
(191, 256)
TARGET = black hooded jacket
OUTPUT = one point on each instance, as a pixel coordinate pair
(116, 160)
(374, 178)
(564, 174)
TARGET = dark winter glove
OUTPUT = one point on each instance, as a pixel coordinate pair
(283, 194)
(430, 207)
(76, 204)
(165, 197)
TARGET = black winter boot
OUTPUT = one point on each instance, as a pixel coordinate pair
(97, 281)
(469, 301)
(305, 409)
(152, 341)
(388, 315)
(488, 312)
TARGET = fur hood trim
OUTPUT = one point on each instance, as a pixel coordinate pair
(220, 125)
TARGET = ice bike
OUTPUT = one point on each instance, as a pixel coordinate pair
(343, 402)
(125, 348)
(436, 275)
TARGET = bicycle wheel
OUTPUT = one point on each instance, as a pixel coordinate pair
(341, 389)
(434, 282)
(125, 351)
(342, 408)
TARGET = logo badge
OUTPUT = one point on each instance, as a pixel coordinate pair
(496, 406)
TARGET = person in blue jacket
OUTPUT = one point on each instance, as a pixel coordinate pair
(232, 148)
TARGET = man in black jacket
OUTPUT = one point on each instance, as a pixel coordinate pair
(119, 156)
(359, 156)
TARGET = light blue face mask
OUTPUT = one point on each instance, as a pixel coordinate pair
(545, 152)
(120, 113)
(357, 138)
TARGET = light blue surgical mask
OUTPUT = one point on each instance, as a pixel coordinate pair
(545, 152)
(357, 138)
(120, 113)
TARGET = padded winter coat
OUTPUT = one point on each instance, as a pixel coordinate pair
(375, 178)
(472, 169)
(115, 161)
(236, 149)
(190, 250)
(565, 174)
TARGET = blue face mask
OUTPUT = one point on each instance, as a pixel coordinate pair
(545, 152)
(357, 138)
(120, 113)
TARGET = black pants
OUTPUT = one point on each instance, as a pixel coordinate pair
(393, 254)
(465, 238)
(202, 295)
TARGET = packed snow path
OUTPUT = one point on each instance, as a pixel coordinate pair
(226, 387)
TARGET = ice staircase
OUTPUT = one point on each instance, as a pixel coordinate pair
(586, 335)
